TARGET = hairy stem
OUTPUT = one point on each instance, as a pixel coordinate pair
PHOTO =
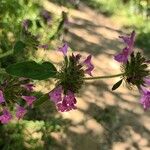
(103, 77)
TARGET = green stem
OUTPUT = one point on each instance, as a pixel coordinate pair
(6, 53)
(103, 77)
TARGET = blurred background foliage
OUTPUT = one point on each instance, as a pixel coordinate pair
(46, 29)
(131, 13)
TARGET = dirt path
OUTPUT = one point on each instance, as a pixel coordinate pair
(104, 120)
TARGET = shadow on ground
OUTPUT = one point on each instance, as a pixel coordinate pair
(104, 119)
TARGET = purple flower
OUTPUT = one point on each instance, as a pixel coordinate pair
(29, 99)
(63, 49)
(89, 70)
(129, 41)
(25, 24)
(123, 56)
(5, 117)
(20, 112)
(46, 15)
(145, 98)
(61, 107)
(147, 80)
(68, 102)
(28, 86)
(69, 98)
(126, 52)
(2, 100)
(55, 94)
(89, 65)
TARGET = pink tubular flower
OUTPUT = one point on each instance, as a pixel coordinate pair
(2, 100)
(28, 86)
(20, 112)
(5, 117)
(25, 24)
(123, 56)
(61, 107)
(147, 80)
(145, 98)
(89, 65)
(55, 94)
(126, 52)
(68, 102)
(129, 40)
(29, 99)
(63, 49)
(46, 15)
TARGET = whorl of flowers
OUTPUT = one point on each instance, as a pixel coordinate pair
(135, 69)
(70, 79)
(16, 92)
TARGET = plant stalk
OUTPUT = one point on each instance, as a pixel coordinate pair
(103, 77)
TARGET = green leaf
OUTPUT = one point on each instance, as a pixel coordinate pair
(19, 47)
(33, 70)
(116, 85)
(41, 100)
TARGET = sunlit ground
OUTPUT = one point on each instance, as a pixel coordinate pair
(104, 119)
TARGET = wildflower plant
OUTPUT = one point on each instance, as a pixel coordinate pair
(70, 79)
(135, 71)
(17, 88)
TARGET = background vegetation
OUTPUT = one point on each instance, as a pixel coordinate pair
(131, 13)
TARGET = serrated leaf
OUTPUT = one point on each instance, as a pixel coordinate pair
(116, 85)
(33, 70)
(19, 47)
(41, 100)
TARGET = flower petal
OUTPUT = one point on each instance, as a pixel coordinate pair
(145, 99)
(2, 100)
(126, 52)
(64, 49)
(55, 94)
(21, 111)
(29, 99)
(5, 117)
(89, 65)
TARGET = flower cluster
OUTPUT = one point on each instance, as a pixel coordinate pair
(127, 50)
(135, 69)
(145, 97)
(70, 79)
(46, 16)
(9, 93)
